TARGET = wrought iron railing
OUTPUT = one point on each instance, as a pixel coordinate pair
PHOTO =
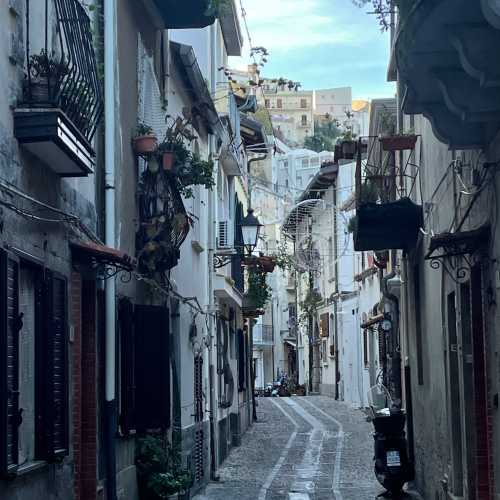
(61, 64)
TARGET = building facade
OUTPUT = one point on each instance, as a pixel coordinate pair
(121, 282)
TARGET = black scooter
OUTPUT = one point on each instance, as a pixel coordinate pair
(392, 465)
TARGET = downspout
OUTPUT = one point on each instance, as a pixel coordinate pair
(110, 239)
(211, 270)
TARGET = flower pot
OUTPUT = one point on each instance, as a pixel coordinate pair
(267, 264)
(42, 90)
(168, 161)
(398, 142)
(145, 144)
(175, 496)
(348, 149)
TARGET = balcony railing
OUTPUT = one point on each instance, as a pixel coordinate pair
(62, 100)
(386, 217)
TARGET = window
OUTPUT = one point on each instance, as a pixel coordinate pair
(305, 163)
(33, 351)
(279, 103)
(303, 103)
(267, 103)
(304, 120)
(285, 164)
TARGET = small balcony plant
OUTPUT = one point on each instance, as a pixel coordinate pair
(348, 144)
(46, 72)
(144, 141)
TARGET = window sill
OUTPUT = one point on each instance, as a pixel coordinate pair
(31, 467)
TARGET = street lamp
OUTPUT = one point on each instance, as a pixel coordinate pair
(250, 227)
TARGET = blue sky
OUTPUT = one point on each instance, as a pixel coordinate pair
(321, 43)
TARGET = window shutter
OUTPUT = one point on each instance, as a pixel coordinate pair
(241, 361)
(54, 387)
(10, 325)
(152, 368)
(127, 368)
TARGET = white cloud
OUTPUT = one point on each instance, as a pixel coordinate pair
(292, 24)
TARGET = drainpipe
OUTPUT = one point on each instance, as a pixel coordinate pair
(110, 239)
(212, 226)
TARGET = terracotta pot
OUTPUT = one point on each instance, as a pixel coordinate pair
(168, 160)
(398, 142)
(145, 144)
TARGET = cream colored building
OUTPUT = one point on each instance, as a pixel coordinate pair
(333, 102)
(292, 112)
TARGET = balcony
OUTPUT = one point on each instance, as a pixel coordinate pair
(446, 55)
(183, 15)
(386, 217)
(263, 336)
(62, 103)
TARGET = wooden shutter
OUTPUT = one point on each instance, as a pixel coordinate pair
(127, 366)
(54, 361)
(241, 361)
(10, 325)
(152, 368)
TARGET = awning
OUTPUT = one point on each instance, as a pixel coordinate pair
(88, 252)
(292, 343)
(251, 131)
(196, 86)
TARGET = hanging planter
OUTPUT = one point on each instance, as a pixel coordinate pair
(267, 263)
(385, 226)
(168, 161)
(398, 142)
(145, 141)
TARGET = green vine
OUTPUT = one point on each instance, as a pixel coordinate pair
(259, 292)
(309, 305)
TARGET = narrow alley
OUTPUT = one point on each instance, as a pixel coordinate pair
(300, 448)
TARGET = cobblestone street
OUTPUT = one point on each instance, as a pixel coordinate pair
(301, 448)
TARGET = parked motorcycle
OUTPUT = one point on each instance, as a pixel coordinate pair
(392, 465)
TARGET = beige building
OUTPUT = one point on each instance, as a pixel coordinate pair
(333, 102)
(291, 112)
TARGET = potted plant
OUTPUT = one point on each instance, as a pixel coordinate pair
(398, 142)
(145, 141)
(348, 145)
(172, 150)
(46, 71)
(267, 263)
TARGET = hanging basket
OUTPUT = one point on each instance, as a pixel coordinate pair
(385, 226)
(398, 142)
(267, 264)
(145, 144)
(168, 161)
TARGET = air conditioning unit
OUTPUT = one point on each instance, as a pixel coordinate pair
(225, 236)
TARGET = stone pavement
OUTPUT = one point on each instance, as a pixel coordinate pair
(301, 448)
